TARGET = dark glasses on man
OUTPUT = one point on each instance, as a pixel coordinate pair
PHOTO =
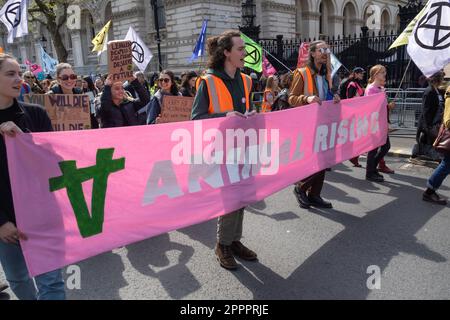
(165, 80)
(65, 77)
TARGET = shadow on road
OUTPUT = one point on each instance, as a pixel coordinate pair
(338, 269)
(150, 258)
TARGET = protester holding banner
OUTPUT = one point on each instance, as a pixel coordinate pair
(66, 80)
(269, 93)
(310, 85)
(377, 81)
(443, 170)
(15, 118)
(188, 84)
(168, 87)
(115, 108)
(226, 59)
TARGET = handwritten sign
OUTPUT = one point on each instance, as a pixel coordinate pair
(120, 60)
(176, 109)
(66, 111)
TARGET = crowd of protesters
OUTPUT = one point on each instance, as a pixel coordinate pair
(140, 102)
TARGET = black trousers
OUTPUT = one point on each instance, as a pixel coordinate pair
(313, 183)
(374, 156)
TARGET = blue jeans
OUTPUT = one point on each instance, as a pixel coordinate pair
(50, 285)
(440, 173)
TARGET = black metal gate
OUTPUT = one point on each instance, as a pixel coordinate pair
(364, 50)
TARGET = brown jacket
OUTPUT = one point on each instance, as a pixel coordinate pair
(296, 95)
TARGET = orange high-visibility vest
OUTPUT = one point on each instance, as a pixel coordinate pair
(266, 106)
(220, 99)
(308, 84)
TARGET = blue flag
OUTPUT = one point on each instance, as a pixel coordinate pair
(48, 63)
(199, 49)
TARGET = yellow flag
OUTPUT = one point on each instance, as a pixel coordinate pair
(100, 39)
(402, 39)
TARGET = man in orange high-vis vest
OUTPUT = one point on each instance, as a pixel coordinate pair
(311, 85)
(225, 91)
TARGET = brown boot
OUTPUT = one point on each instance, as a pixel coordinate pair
(382, 167)
(243, 252)
(225, 257)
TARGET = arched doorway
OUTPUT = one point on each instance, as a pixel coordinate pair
(348, 26)
(326, 11)
(385, 21)
(301, 20)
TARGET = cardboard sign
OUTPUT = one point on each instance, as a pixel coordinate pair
(120, 60)
(176, 109)
(66, 111)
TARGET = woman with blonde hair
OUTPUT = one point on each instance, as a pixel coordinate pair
(375, 157)
(67, 80)
(269, 93)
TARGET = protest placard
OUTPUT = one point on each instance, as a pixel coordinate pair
(176, 109)
(120, 60)
(66, 111)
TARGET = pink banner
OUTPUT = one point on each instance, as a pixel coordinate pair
(81, 193)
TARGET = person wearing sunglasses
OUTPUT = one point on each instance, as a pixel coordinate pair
(311, 84)
(16, 118)
(115, 107)
(167, 87)
(67, 80)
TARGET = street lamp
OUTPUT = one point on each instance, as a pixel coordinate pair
(248, 19)
(43, 41)
(154, 4)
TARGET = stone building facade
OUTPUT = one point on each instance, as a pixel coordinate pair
(181, 21)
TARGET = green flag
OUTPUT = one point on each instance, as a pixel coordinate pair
(254, 58)
(402, 39)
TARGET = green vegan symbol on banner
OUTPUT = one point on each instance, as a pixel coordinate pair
(72, 179)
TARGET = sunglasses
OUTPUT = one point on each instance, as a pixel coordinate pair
(165, 80)
(28, 77)
(65, 77)
(325, 50)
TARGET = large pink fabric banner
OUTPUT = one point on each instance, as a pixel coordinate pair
(81, 193)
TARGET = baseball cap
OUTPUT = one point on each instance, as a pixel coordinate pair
(359, 70)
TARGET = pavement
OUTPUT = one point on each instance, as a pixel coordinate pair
(402, 142)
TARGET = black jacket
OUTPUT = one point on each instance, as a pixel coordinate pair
(58, 90)
(430, 108)
(125, 114)
(29, 118)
